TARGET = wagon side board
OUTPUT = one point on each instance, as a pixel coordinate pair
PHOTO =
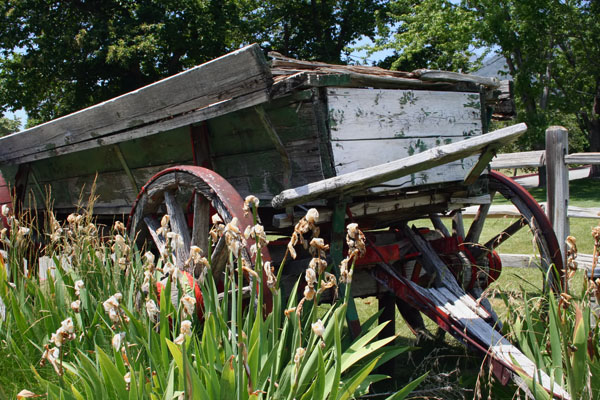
(116, 172)
(374, 126)
(243, 151)
(236, 80)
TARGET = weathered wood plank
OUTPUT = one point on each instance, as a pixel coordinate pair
(535, 159)
(583, 158)
(368, 208)
(477, 224)
(481, 165)
(447, 76)
(178, 224)
(353, 155)
(201, 222)
(152, 224)
(557, 175)
(114, 191)
(484, 334)
(524, 159)
(359, 114)
(259, 173)
(584, 261)
(205, 87)
(372, 176)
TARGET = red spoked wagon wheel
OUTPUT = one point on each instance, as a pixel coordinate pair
(190, 195)
(473, 254)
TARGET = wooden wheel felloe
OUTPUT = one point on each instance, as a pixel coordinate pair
(189, 195)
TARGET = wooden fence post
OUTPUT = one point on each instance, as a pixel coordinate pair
(557, 173)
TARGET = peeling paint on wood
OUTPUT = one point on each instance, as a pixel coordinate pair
(374, 126)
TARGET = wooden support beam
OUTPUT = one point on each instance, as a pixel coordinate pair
(123, 162)
(372, 176)
(481, 164)
(286, 164)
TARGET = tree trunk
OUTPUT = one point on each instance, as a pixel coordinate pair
(594, 136)
(593, 124)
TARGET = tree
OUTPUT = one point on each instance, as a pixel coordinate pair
(57, 57)
(551, 48)
(433, 34)
(315, 29)
(8, 126)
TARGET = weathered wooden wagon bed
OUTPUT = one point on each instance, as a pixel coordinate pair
(360, 144)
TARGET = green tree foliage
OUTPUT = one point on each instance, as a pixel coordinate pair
(8, 125)
(315, 29)
(432, 34)
(59, 57)
(551, 49)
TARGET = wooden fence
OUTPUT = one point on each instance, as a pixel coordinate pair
(556, 158)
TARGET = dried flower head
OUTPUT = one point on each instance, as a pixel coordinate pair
(5, 210)
(52, 355)
(596, 233)
(64, 333)
(298, 356)
(112, 308)
(318, 248)
(270, 273)
(79, 285)
(318, 264)
(318, 328)
(119, 227)
(149, 257)
(117, 340)
(309, 292)
(248, 202)
(355, 240)
(74, 219)
(306, 223)
(76, 305)
(310, 276)
(152, 309)
(184, 330)
(186, 327)
(189, 305)
(233, 237)
(217, 229)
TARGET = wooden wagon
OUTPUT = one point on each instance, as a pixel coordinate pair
(360, 144)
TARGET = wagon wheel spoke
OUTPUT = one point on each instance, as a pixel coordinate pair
(201, 222)
(179, 226)
(458, 226)
(219, 257)
(506, 234)
(478, 222)
(159, 240)
(439, 224)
